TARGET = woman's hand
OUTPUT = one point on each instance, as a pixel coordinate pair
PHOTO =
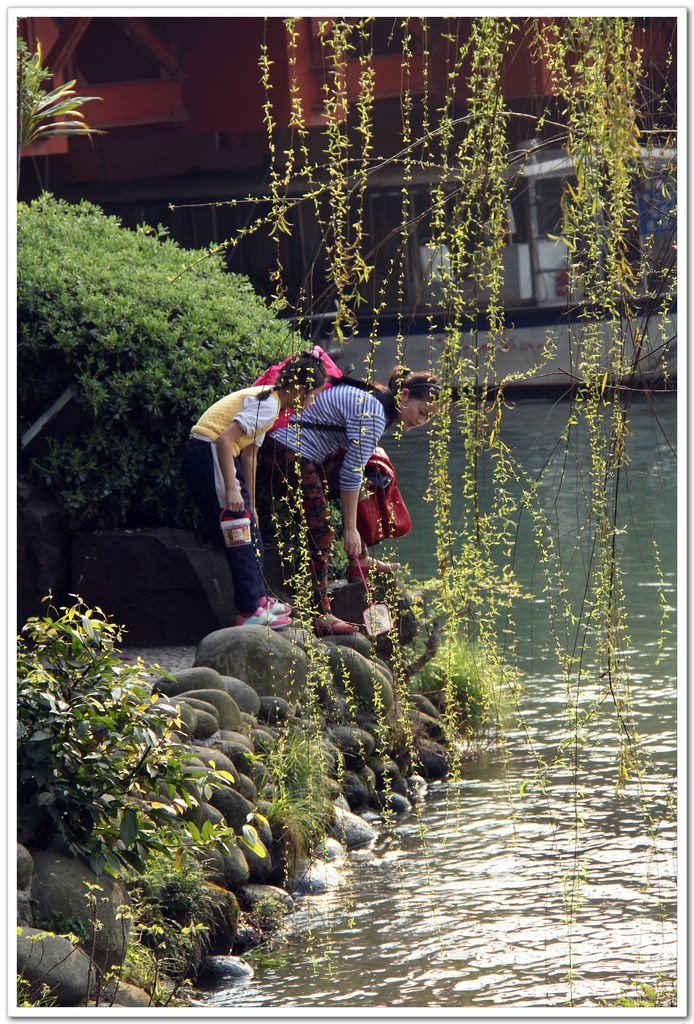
(352, 542)
(234, 499)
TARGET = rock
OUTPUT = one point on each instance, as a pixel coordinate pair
(260, 657)
(433, 727)
(356, 744)
(259, 867)
(25, 867)
(248, 935)
(246, 787)
(211, 754)
(395, 802)
(25, 911)
(425, 705)
(232, 736)
(252, 897)
(263, 740)
(233, 806)
(248, 722)
(357, 641)
(226, 707)
(220, 971)
(59, 889)
(355, 791)
(273, 710)
(236, 871)
(351, 830)
(434, 759)
(43, 550)
(212, 864)
(189, 717)
(224, 920)
(416, 787)
(329, 849)
(315, 878)
(244, 695)
(388, 775)
(187, 679)
(206, 718)
(162, 584)
(120, 993)
(302, 637)
(210, 813)
(45, 957)
(356, 675)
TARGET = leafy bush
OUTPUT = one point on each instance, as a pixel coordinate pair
(102, 310)
(299, 809)
(99, 770)
(464, 676)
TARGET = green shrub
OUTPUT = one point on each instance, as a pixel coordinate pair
(463, 674)
(299, 810)
(102, 310)
(99, 770)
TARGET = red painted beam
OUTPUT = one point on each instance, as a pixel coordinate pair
(151, 101)
(65, 45)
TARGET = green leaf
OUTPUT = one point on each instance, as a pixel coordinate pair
(128, 826)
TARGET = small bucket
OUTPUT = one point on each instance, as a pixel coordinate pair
(237, 531)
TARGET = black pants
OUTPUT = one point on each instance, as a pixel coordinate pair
(244, 561)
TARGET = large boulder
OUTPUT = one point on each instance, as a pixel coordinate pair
(351, 830)
(46, 958)
(244, 695)
(25, 867)
(188, 679)
(356, 744)
(354, 674)
(233, 806)
(227, 709)
(268, 662)
(162, 584)
(60, 893)
(43, 550)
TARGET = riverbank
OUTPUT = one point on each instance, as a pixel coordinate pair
(307, 738)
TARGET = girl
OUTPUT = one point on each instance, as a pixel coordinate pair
(327, 447)
(220, 467)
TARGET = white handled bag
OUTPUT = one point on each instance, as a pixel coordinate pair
(377, 618)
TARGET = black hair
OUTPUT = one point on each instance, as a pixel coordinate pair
(304, 370)
(422, 385)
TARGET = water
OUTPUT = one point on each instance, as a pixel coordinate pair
(467, 906)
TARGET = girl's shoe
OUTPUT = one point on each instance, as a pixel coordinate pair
(372, 565)
(330, 625)
(263, 617)
(276, 606)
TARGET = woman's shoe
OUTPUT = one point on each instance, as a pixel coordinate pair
(372, 565)
(263, 617)
(276, 606)
(330, 625)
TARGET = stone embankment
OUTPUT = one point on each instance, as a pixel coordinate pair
(240, 693)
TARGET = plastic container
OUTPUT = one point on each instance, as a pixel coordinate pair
(236, 530)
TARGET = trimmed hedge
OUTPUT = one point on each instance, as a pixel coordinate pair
(99, 310)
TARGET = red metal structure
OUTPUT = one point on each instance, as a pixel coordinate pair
(182, 108)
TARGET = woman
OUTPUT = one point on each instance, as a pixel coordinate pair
(328, 447)
(220, 466)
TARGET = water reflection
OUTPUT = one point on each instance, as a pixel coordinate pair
(468, 906)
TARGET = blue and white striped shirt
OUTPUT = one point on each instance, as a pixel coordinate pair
(362, 419)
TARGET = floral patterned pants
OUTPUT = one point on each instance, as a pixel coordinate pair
(302, 488)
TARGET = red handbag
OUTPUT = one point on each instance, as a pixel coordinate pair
(381, 511)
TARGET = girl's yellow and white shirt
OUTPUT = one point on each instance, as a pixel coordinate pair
(242, 407)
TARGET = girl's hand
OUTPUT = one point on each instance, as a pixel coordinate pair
(352, 542)
(234, 499)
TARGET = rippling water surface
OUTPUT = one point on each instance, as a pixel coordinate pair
(466, 906)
